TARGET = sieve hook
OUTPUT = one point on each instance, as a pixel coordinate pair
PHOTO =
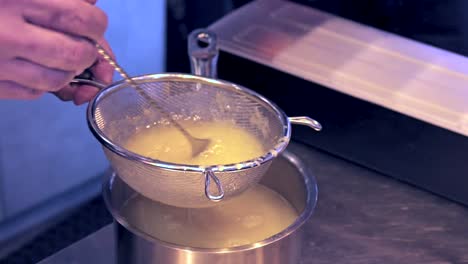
(305, 121)
(209, 174)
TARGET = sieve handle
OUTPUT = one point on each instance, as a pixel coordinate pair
(88, 82)
(305, 121)
(209, 175)
(203, 53)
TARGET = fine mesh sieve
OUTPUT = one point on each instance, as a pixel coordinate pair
(119, 111)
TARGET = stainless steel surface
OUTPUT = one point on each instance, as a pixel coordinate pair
(351, 58)
(362, 217)
(287, 175)
(117, 111)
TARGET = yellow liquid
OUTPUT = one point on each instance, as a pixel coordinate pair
(254, 215)
(229, 144)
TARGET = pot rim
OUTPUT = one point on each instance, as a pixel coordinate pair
(311, 201)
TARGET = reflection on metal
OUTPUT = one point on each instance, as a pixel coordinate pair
(412, 78)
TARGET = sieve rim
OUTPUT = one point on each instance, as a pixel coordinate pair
(123, 152)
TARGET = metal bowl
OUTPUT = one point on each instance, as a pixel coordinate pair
(287, 175)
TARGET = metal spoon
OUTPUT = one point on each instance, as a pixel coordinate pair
(198, 144)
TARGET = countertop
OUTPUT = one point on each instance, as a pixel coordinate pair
(361, 217)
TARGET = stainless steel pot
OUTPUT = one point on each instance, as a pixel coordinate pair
(287, 175)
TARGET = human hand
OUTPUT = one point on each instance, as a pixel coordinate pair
(101, 71)
(45, 43)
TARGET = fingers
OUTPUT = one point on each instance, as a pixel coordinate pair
(55, 50)
(75, 17)
(66, 93)
(84, 94)
(34, 76)
(43, 44)
(12, 90)
(102, 70)
(79, 94)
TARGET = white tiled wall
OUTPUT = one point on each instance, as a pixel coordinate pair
(45, 145)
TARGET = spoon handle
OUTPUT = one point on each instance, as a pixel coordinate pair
(140, 90)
